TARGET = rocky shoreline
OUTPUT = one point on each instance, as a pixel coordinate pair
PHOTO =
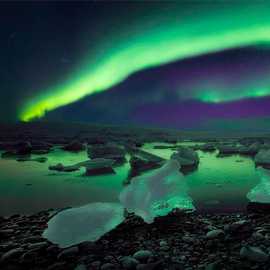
(178, 241)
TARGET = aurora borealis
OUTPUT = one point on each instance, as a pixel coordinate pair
(209, 54)
(169, 100)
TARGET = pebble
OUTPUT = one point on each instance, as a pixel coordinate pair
(149, 266)
(258, 236)
(68, 252)
(80, 267)
(163, 243)
(38, 245)
(34, 239)
(6, 232)
(108, 266)
(129, 262)
(254, 254)
(142, 255)
(11, 254)
(58, 266)
(215, 234)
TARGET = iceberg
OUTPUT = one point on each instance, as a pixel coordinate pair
(157, 193)
(186, 156)
(261, 192)
(263, 158)
(85, 223)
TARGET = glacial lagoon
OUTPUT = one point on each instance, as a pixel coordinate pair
(220, 184)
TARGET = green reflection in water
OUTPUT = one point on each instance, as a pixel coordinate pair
(49, 189)
(218, 184)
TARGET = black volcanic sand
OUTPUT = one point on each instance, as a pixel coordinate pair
(178, 241)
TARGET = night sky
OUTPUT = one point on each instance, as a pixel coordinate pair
(200, 65)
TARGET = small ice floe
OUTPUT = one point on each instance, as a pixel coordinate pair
(261, 192)
(227, 149)
(251, 149)
(157, 193)
(95, 166)
(186, 156)
(263, 158)
(85, 223)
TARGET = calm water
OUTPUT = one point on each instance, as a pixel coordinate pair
(219, 184)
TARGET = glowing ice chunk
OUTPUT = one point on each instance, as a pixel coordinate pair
(261, 192)
(157, 193)
(85, 223)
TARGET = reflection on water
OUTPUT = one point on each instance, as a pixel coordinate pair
(222, 179)
(219, 184)
(27, 187)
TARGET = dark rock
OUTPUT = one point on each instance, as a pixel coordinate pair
(57, 167)
(68, 252)
(38, 245)
(107, 151)
(29, 257)
(13, 155)
(258, 236)
(11, 254)
(40, 159)
(186, 157)
(80, 267)
(89, 247)
(139, 165)
(263, 158)
(34, 239)
(98, 166)
(58, 266)
(71, 168)
(61, 168)
(255, 207)
(254, 254)
(207, 147)
(150, 266)
(238, 225)
(227, 149)
(251, 149)
(129, 262)
(23, 148)
(95, 265)
(53, 249)
(215, 234)
(6, 233)
(142, 255)
(74, 146)
(108, 266)
(213, 266)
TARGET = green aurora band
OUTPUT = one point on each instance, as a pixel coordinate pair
(156, 41)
